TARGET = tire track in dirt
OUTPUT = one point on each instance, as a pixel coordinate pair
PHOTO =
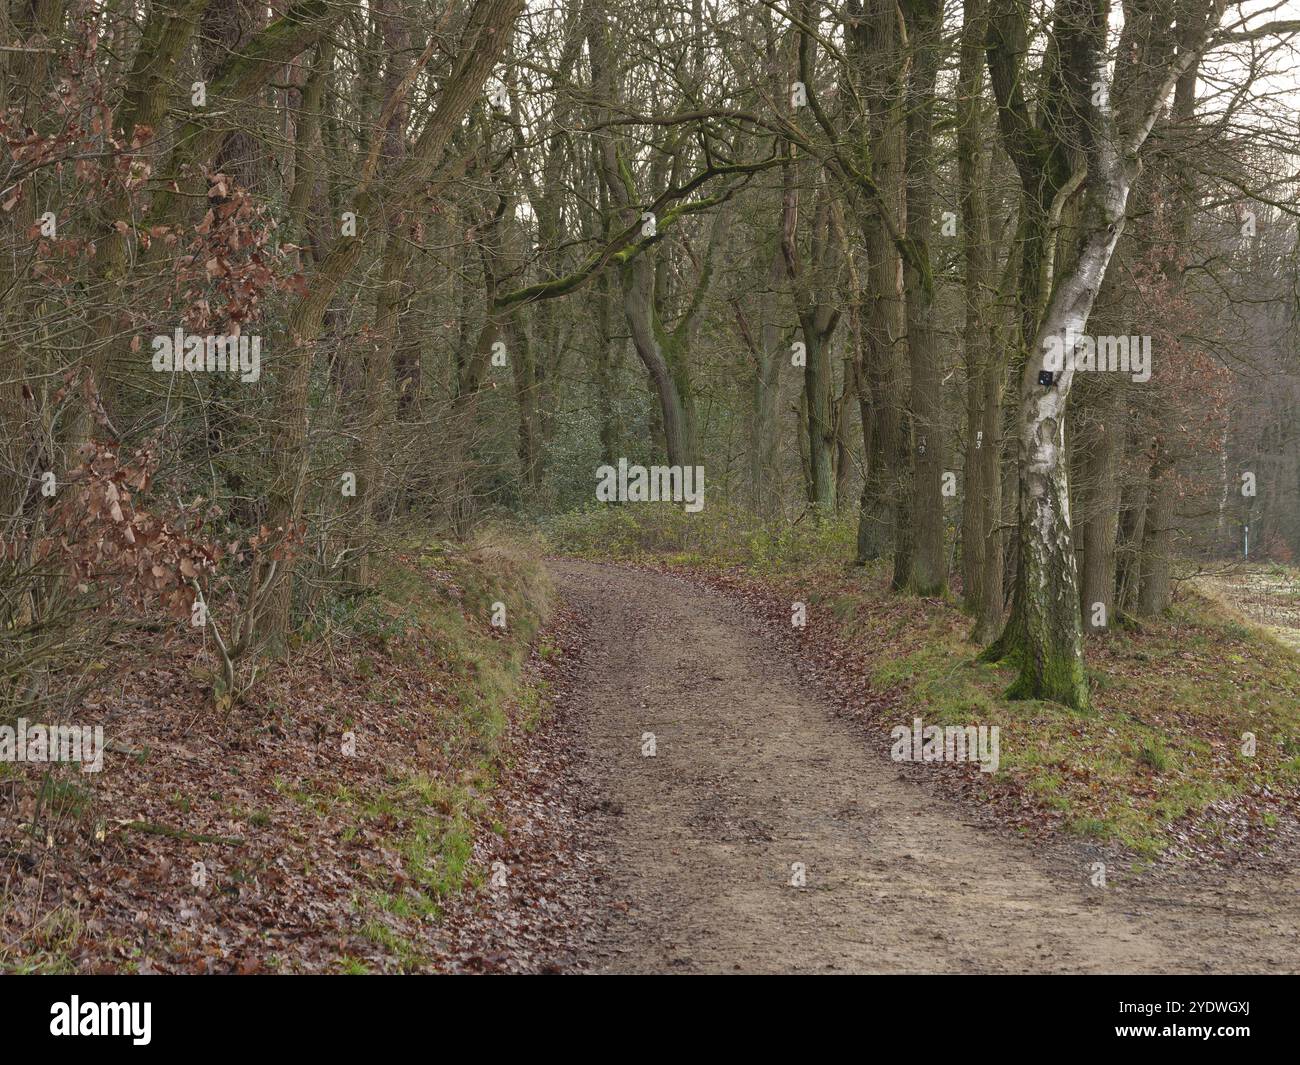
(753, 773)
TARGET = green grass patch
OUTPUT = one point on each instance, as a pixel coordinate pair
(436, 602)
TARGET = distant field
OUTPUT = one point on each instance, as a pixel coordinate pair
(1266, 594)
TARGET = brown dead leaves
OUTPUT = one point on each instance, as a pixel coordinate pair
(99, 533)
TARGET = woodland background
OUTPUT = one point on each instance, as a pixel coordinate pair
(434, 217)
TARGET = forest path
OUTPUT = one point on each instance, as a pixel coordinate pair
(753, 773)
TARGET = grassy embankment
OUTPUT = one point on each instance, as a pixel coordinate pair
(311, 858)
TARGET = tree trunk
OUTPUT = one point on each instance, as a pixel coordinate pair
(878, 50)
(929, 573)
(1157, 543)
(982, 491)
(664, 361)
(1099, 506)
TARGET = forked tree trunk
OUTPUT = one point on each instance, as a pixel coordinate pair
(482, 41)
(1045, 630)
(812, 282)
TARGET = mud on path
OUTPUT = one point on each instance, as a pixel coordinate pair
(753, 773)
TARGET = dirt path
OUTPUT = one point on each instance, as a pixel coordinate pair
(752, 773)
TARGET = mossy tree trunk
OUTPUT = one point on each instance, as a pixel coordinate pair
(1108, 118)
